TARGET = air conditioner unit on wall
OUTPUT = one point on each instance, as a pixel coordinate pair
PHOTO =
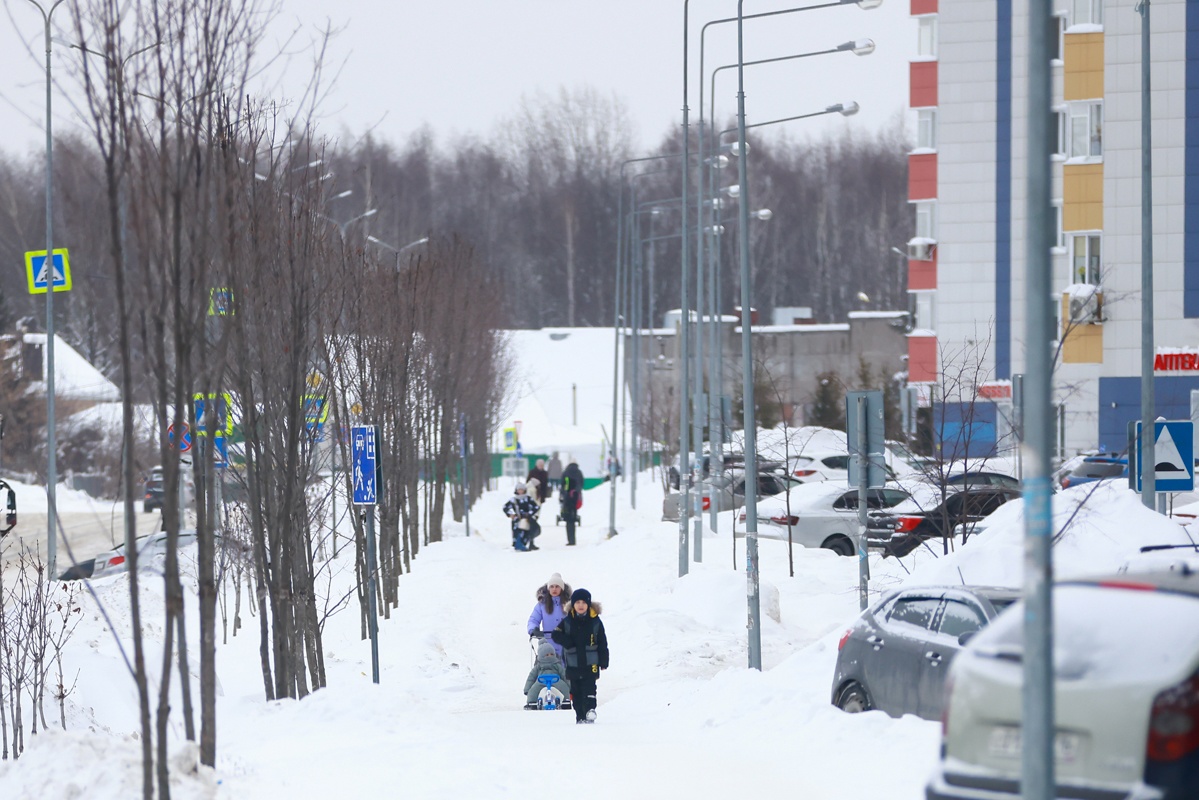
(921, 250)
(1086, 309)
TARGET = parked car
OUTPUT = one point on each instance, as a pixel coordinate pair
(902, 529)
(821, 514)
(1126, 696)
(114, 560)
(727, 491)
(896, 655)
(1096, 468)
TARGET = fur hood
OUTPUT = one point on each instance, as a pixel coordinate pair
(547, 600)
(594, 611)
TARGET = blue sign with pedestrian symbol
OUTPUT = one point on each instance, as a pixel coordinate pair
(1173, 456)
(38, 275)
(364, 457)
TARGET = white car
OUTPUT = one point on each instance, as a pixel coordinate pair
(823, 515)
(1126, 664)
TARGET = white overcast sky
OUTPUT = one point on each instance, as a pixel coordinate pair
(462, 66)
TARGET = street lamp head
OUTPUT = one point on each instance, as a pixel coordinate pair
(718, 162)
(865, 298)
(844, 109)
(866, 5)
(734, 148)
(762, 214)
(733, 191)
(340, 195)
(860, 47)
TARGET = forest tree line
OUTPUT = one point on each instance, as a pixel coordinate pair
(539, 210)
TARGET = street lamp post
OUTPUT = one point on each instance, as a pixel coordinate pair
(715, 368)
(51, 438)
(399, 251)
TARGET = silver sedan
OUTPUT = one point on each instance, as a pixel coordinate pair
(822, 514)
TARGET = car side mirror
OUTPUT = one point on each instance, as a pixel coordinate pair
(965, 637)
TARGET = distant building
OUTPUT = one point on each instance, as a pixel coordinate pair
(794, 355)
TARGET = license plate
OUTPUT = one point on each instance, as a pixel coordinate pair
(1005, 743)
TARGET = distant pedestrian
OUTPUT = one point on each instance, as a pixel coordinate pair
(554, 471)
(571, 498)
(522, 511)
(585, 650)
(543, 481)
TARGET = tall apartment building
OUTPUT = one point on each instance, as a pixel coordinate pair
(968, 186)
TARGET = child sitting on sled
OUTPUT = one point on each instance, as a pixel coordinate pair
(547, 663)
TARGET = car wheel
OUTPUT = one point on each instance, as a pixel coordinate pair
(853, 699)
(840, 545)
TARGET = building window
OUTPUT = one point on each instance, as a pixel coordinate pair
(1085, 257)
(926, 222)
(1086, 129)
(926, 42)
(1057, 132)
(925, 319)
(1057, 29)
(1059, 236)
(926, 128)
(1086, 12)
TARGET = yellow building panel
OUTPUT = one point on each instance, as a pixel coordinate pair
(1082, 344)
(1082, 75)
(1082, 197)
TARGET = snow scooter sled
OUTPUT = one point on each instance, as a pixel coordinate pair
(550, 698)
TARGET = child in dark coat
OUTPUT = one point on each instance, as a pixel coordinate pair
(585, 647)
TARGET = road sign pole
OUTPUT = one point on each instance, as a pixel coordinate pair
(364, 443)
(863, 458)
(372, 617)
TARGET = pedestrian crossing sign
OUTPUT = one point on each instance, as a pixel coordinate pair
(37, 274)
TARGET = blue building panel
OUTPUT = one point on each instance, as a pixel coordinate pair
(1120, 404)
(1003, 190)
(1190, 258)
(965, 430)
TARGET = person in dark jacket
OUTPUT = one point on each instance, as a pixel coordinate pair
(543, 481)
(585, 647)
(522, 510)
(571, 498)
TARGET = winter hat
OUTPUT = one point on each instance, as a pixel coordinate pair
(545, 650)
(581, 594)
(520, 487)
(556, 580)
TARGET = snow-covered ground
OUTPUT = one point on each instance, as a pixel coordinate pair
(679, 712)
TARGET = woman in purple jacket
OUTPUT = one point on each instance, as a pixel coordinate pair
(553, 600)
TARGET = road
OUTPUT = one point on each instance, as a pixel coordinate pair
(87, 533)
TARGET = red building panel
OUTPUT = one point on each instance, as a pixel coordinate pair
(922, 176)
(922, 274)
(923, 7)
(923, 84)
(922, 359)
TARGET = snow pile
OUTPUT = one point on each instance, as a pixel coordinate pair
(1098, 528)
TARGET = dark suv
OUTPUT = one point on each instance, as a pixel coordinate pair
(911, 523)
(152, 491)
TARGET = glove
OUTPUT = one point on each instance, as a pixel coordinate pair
(537, 634)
